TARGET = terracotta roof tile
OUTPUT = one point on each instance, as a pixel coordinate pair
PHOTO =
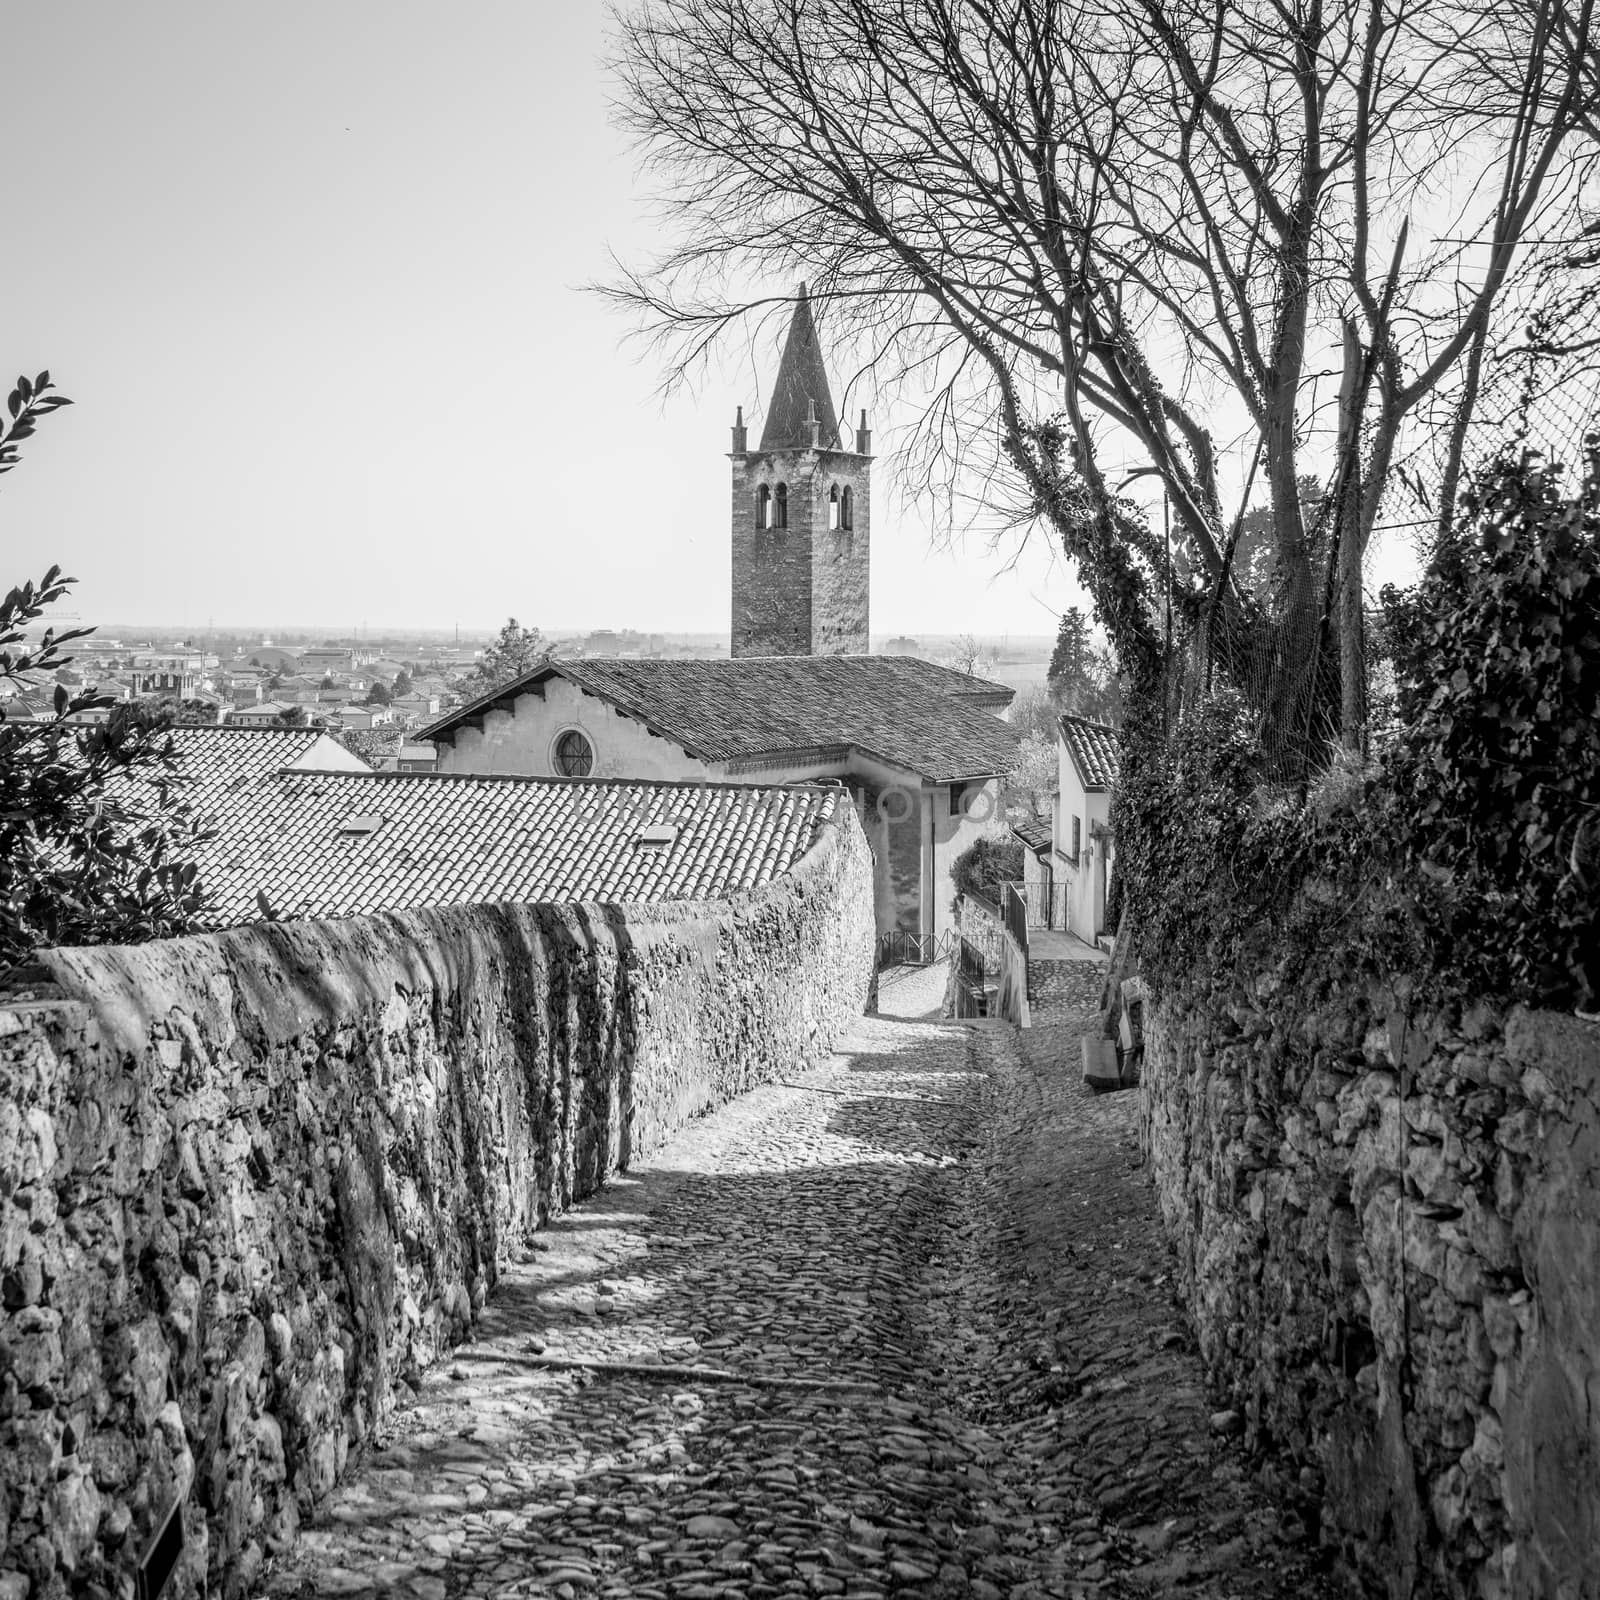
(1033, 833)
(452, 840)
(1095, 750)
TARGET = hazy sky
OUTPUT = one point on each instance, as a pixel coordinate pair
(311, 274)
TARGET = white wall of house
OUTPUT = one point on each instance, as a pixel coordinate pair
(522, 740)
(956, 826)
(1085, 870)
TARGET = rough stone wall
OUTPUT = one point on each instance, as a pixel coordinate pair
(978, 923)
(841, 558)
(1012, 1000)
(251, 1182)
(1388, 1224)
(771, 601)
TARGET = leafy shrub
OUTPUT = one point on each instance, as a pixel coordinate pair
(1476, 840)
(1497, 763)
(86, 855)
(987, 865)
(93, 836)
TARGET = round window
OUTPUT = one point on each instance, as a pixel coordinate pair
(574, 755)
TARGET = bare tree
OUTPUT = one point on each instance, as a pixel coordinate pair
(1099, 239)
(969, 654)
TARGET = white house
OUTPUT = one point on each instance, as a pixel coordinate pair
(1067, 873)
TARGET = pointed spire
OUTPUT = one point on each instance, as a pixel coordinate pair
(800, 394)
(739, 445)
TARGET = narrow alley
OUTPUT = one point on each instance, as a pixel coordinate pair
(901, 1326)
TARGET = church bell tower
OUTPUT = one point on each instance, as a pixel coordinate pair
(801, 515)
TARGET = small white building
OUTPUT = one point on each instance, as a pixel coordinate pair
(1068, 868)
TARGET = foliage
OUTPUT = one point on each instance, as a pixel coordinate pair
(1070, 658)
(27, 402)
(970, 655)
(379, 694)
(987, 865)
(293, 717)
(515, 651)
(1471, 854)
(373, 745)
(1033, 710)
(1082, 675)
(402, 684)
(94, 832)
(1497, 764)
(1033, 779)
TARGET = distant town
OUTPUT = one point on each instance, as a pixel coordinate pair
(378, 691)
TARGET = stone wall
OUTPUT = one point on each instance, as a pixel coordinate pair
(250, 1183)
(1388, 1227)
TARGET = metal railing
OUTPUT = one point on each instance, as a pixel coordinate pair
(1047, 904)
(970, 963)
(1014, 912)
(898, 948)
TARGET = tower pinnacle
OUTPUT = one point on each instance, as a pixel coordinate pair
(802, 384)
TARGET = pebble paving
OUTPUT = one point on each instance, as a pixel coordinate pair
(902, 1325)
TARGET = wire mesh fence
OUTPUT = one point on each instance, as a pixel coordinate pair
(1535, 391)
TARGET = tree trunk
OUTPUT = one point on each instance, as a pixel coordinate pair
(1352, 662)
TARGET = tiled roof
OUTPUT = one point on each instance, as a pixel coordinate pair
(223, 754)
(1033, 833)
(912, 714)
(342, 844)
(1095, 750)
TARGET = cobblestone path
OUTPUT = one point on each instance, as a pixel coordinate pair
(898, 1327)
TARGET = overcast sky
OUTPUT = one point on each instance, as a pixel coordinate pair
(311, 275)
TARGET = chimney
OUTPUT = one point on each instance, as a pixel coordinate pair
(863, 436)
(739, 445)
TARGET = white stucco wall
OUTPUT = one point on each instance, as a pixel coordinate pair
(522, 741)
(982, 814)
(1086, 877)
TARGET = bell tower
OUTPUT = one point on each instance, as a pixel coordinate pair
(801, 515)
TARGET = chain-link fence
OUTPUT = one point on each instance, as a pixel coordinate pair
(1536, 390)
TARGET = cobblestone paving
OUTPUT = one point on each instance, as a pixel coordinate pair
(898, 1327)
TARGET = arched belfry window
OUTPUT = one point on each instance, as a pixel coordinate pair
(833, 506)
(782, 518)
(763, 507)
(847, 510)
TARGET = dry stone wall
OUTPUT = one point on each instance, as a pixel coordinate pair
(251, 1182)
(1388, 1224)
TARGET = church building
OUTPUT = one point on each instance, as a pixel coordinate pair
(921, 748)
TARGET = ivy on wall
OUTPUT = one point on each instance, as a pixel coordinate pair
(1470, 851)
